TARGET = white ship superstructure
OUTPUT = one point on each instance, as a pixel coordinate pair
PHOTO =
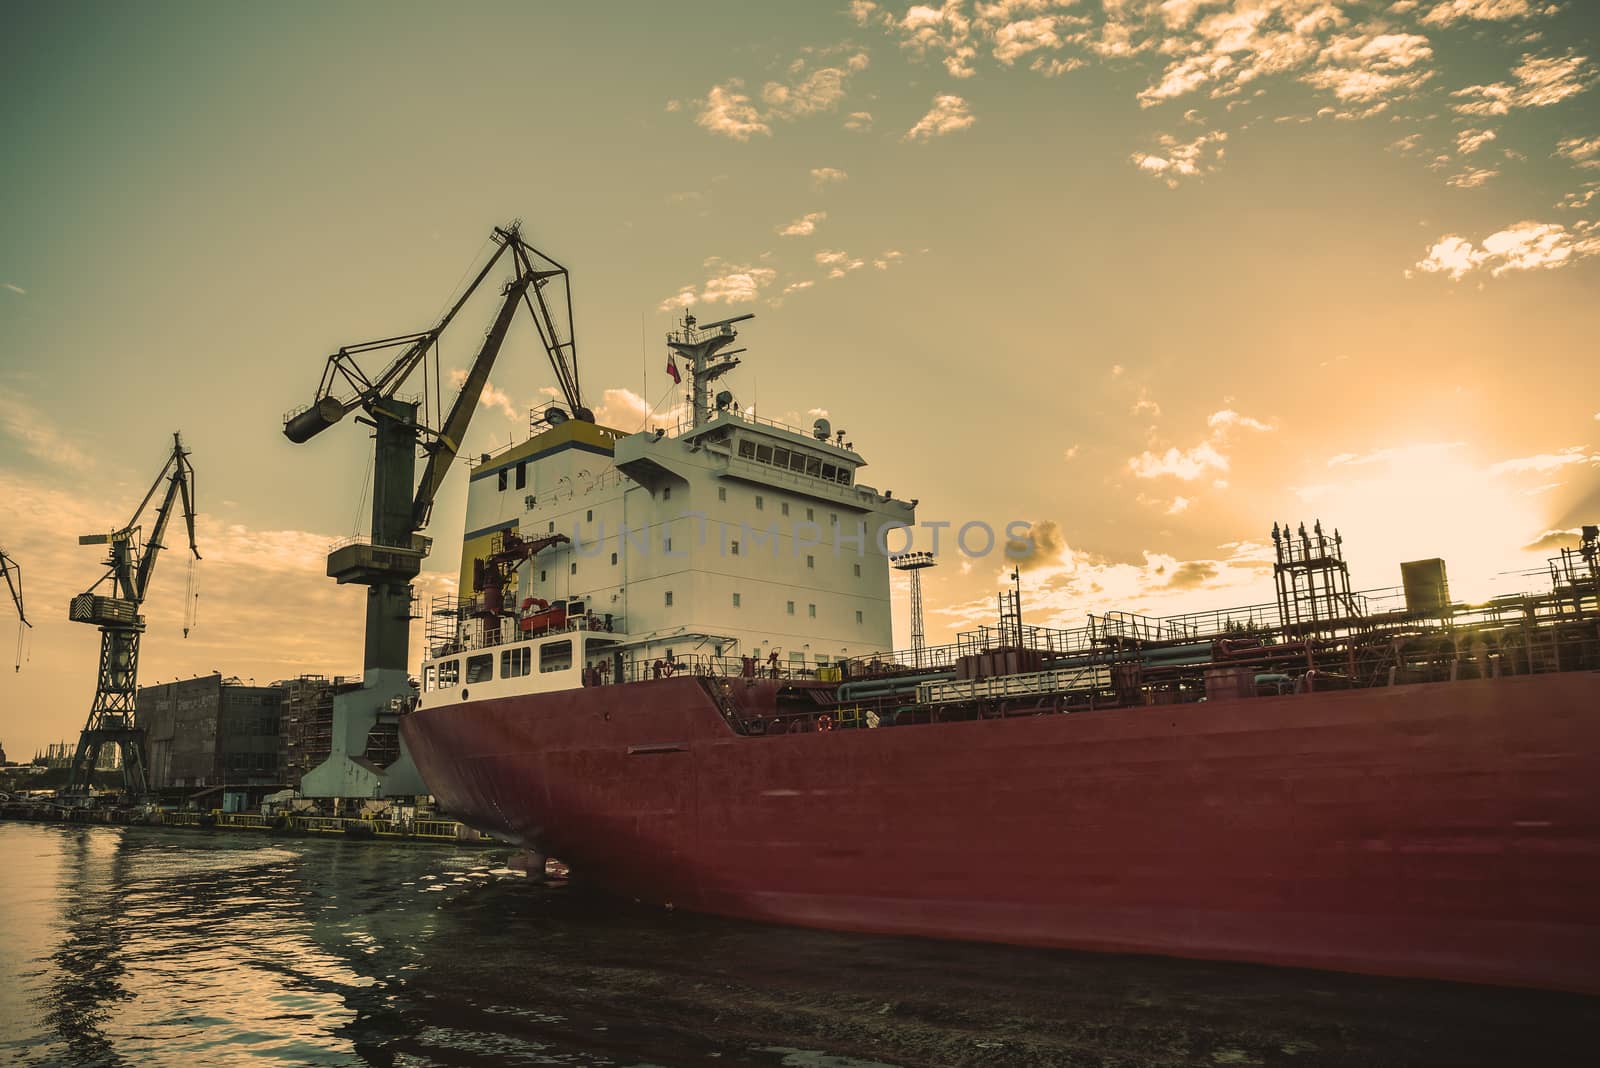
(731, 539)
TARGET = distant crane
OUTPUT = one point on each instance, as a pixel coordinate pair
(13, 573)
(366, 722)
(128, 569)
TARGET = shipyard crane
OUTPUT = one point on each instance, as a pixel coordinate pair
(130, 564)
(13, 573)
(365, 730)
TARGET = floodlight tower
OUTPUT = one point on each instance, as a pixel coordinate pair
(914, 564)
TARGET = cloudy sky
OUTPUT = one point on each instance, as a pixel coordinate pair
(1148, 275)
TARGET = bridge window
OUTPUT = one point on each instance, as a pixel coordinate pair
(522, 475)
(480, 668)
(555, 656)
(668, 601)
(449, 674)
(501, 478)
(736, 600)
(514, 663)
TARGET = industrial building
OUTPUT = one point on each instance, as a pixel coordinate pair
(212, 732)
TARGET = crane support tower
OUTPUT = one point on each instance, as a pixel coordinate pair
(130, 564)
(13, 573)
(367, 758)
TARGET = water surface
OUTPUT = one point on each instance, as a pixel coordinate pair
(142, 946)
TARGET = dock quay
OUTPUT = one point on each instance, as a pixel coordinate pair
(365, 828)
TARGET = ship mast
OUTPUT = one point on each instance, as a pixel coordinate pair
(701, 348)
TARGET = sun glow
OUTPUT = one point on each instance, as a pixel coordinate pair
(1435, 499)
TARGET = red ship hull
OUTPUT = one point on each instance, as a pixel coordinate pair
(1447, 830)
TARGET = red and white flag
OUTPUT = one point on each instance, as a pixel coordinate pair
(672, 369)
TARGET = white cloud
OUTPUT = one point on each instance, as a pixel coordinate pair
(1368, 67)
(729, 112)
(1469, 141)
(1452, 11)
(491, 397)
(681, 299)
(1402, 453)
(624, 409)
(1472, 177)
(1176, 160)
(1179, 505)
(1014, 40)
(888, 259)
(1190, 464)
(1062, 583)
(948, 114)
(737, 285)
(795, 287)
(858, 121)
(1544, 462)
(812, 92)
(822, 177)
(1185, 464)
(734, 284)
(1527, 246)
(1228, 418)
(18, 290)
(1584, 151)
(804, 226)
(1540, 82)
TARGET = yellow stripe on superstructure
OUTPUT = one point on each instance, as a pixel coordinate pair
(572, 432)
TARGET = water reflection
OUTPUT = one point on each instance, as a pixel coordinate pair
(148, 947)
(88, 975)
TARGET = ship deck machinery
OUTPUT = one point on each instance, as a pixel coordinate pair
(1384, 783)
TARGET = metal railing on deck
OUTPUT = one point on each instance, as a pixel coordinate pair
(726, 667)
